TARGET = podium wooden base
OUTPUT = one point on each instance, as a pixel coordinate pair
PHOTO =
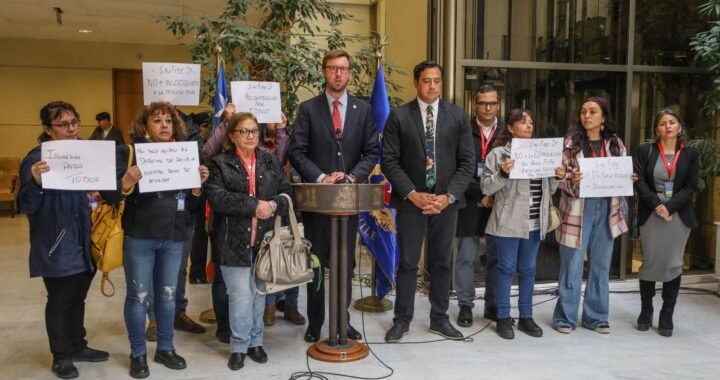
(373, 305)
(339, 353)
(208, 316)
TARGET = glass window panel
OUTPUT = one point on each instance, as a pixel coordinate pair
(568, 31)
(663, 29)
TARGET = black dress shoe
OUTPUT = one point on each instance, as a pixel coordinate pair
(490, 314)
(443, 328)
(398, 330)
(236, 361)
(257, 354)
(529, 326)
(88, 354)
(138, 367)
(170, 359)
(465, 316)
(352, 333)
(311, 336)
(64, 369)
(504, 328)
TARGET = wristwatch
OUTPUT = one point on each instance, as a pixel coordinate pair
(451, 198)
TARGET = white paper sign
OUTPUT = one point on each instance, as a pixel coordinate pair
(535, 158)
(606, 177)
(168, 166)
(178, 83)
(79, 165)
(261, 99)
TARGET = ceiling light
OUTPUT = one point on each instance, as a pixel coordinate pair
(85, 30)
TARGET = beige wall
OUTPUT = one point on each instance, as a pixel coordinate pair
(35, 72)
(406, 27)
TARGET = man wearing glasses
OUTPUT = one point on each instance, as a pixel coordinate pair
(474, 217)
(334, 140)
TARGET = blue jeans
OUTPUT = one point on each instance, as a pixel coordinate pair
(181, 301)
(597, 241)
(150, 263)
(291, 297)
(516, 255)
(246, 307)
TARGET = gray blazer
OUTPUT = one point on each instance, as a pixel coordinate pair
(511, 210)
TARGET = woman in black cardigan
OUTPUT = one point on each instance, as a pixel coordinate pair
(668, 175)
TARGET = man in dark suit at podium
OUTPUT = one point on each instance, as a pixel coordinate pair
(105, 130)
(334, 140)
(429, 159)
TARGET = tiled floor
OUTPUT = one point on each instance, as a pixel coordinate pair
(692, 353)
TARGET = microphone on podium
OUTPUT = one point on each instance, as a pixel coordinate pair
(338, 140)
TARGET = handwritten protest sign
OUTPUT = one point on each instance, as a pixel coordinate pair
(79, 165)
(536, 158)
(168, 166)
(178, 83)
(261, 99)
(606, 177)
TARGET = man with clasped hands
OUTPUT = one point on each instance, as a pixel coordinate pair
(429, 158)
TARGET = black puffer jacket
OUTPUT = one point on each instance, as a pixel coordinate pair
(227, 190)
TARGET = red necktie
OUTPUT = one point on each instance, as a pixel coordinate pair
(337, 123)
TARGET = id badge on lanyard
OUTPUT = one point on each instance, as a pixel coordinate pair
(479, 170)
(181, 202)
(668, 189)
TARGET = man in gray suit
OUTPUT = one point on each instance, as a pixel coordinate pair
(334, 140)
(429, 159)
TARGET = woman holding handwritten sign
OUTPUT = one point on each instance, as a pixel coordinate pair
(156, 224)
(244, 192)
(589, 225)
(668, 176)
(519, 221)
(60, 245)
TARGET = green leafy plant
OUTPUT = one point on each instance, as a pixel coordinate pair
(271, 40)
(705, 46)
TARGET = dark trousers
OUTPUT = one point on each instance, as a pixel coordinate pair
(491, 275)
(65, 313)
(220, 300)
(317, 230)
(412, 227)
(198, 251)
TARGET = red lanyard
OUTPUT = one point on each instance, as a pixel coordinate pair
(485, 142)
(602, 149)
(251, 171)
(670, 168)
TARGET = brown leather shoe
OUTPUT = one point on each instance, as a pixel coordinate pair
(269, 315)
(293, 315)
(184, 323)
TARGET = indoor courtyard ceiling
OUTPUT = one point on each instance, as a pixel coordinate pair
(118, 21)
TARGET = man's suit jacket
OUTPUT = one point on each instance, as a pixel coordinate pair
(314, 148)
(472, 219)
(114, 134)
(403, 155)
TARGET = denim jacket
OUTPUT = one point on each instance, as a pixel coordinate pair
(511, 209)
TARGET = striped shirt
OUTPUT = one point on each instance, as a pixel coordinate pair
(535, 198)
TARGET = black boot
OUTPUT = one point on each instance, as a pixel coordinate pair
(669, 295)
(647, 292)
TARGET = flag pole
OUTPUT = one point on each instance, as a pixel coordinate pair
(371, 303)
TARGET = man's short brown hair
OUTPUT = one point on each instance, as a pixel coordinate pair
(335, 53)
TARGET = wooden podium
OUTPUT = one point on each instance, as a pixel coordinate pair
(339, 201)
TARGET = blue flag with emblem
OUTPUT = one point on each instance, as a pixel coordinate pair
(377, 228)
(220, 100)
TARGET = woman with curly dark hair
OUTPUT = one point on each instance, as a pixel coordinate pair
(156, 224)
(589, 225)
(668, 176)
